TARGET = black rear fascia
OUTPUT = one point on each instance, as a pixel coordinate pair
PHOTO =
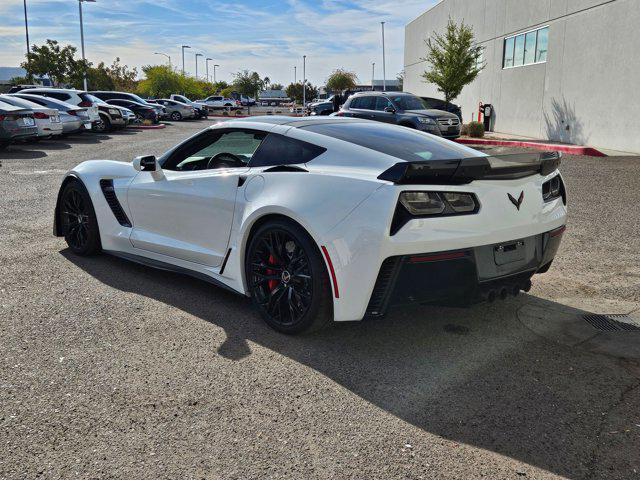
(466, 170)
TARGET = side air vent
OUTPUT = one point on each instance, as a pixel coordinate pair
(381, 291)
(114, 204)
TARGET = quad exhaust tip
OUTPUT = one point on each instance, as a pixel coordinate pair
(504, 292)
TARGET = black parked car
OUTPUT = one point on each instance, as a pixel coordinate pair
(436, 103)
(404, 109)
(143, 111)
(107, 96)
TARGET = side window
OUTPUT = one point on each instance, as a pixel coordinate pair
(60, 96)
(382, 103)
(216, 149)
(280, 150)
(367, 103)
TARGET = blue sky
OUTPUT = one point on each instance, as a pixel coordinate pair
(267, 36)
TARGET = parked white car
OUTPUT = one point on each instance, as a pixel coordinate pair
(219, 102)
(47, 119)
(79, 98)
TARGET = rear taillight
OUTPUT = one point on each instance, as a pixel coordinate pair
(73, 112)
(2, 117)
(85, 104)
(40, 115)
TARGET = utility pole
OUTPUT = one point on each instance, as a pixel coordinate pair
(384, 65)
(183, 47)
(304, 81)
(295, 74)
(160, 53)
(84, 79)
(26, 29)
(373, 75)
(197, 55)
(214, 73)
(206, 62)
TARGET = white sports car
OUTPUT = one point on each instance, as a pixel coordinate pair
(324, 219)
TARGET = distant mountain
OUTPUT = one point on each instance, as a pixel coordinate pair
(7, 73)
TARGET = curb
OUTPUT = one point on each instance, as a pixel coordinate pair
(569, 149)
(148, 127)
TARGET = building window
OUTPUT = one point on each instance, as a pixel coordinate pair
(526, 48)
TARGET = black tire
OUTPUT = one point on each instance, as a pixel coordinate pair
(104, 125)
(4, 144)
(176, 116)
(287, 278)
(78, 220)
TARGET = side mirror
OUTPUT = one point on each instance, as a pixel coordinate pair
(146, 163)
(389, 109)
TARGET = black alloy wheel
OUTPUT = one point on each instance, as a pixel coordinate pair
(287, 278)
(78, 219)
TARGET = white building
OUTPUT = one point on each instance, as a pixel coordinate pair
(567, 70)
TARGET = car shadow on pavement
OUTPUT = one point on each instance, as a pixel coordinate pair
(22, 152)
(475, 376)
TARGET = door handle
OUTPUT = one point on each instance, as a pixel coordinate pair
(241, 180)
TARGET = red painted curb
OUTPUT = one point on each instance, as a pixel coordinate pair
(148, 127)
(569, 149)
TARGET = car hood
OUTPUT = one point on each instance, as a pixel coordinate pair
(432, 112)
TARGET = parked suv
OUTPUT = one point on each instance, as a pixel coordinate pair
(74, 97)
(402, 109)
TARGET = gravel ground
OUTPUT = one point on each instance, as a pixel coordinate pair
(114, 370)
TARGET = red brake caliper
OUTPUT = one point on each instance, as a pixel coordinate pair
(271, 283)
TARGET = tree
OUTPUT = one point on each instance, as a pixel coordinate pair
(294, 92)
(219, 86)
(455, 60)
(341, 80)
(56, 62)
(400, 77)
(98, 78)
(123, 77)
(248, 83)
(162, 81)
(276, 86)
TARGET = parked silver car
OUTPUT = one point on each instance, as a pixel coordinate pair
(74, 119)
(177, 110)
(47, 119)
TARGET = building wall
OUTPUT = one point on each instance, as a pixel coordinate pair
(586, 92)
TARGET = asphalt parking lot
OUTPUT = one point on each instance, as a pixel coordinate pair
(115, 370)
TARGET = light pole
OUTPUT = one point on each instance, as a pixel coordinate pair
(84, 79)
(26, 28)
(206, 63)
(214, 73)
(373, 74)
(160, 53)
(183, 47)
(304, 81)
(384, 65)
(197, 55)
(295, 74)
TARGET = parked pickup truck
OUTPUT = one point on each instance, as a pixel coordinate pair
(202, 109)
(218, 102)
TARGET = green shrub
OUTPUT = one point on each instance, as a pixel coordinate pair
(475, 129)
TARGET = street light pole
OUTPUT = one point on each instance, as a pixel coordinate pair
(84, 79)
(160, 53)
(26, 28)
(214, 73)
(295, 74)
(384, 65)
(304, 81)
(373, 75)
(197, 55)
(183, 47)
(206, 62)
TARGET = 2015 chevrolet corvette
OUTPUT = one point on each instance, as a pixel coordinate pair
(324, 219)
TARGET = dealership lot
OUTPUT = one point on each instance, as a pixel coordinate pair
(110, 369)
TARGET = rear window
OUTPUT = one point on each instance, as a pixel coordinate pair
(87, 97)
(280, 150)
(57, 95)
(400, 142)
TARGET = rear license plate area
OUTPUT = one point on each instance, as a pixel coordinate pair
(509, 252)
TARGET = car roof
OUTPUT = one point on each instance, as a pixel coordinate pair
(379, 94)
(298, 122)
(64, 90)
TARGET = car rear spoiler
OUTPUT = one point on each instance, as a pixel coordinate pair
(465, 170)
